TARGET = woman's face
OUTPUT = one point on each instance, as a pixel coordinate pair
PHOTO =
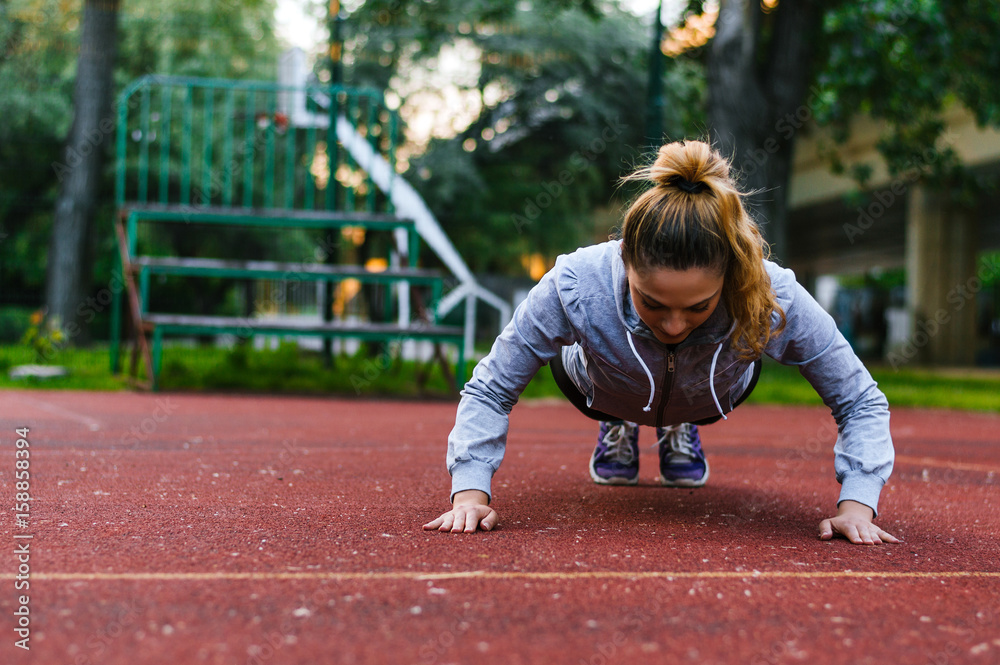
(674, 302)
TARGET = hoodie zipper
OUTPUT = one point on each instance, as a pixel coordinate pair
(667, 384)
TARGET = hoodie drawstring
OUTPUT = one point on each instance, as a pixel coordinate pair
(711, 381)
(649, 375)
(652, 382)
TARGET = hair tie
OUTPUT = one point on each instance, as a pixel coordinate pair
(690, 187)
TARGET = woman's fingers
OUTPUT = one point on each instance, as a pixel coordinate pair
(490, 521)
(465, 519)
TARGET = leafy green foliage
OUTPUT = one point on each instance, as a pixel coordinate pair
(14, 323)
(35, 75)
(44, 336)
(907, 62)
(220, 39)
(38, 43)
(557, 101)
(555, 105)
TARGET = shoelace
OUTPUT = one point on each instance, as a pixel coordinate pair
(618, 447)
(678, 440)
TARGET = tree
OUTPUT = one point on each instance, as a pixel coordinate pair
(759, 66)
(37, 72)
(773, 67)
(909, 63)
(36, 108)
(80, 175)
(554, 114)
(906, 63)
(774, 64)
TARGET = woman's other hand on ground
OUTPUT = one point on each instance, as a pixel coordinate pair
(470, 511)
(854, 522)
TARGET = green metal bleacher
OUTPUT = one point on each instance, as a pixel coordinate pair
(182, 161)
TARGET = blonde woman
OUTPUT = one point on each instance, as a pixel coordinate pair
(665, 327)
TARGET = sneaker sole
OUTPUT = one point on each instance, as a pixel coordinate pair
(686, 482)
(617, 480)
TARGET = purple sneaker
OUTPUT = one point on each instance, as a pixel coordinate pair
(682, 461)
(616, 458)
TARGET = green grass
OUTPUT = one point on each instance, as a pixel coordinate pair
(88, 369)
(978, 391)
(291, 370)
(973, 390)
(779, 384)
(286, 369)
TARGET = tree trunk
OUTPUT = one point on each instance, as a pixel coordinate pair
(759, 68)
(80, 173)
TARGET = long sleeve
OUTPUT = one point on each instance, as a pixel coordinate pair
(539, 328)
(863, 454)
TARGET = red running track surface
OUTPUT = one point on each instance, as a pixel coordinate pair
(235, 529)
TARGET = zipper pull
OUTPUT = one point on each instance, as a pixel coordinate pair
(670, 362)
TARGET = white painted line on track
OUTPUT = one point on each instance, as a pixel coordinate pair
(91, 424)
(503, 575)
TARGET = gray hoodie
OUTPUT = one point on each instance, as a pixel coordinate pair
(582, 309)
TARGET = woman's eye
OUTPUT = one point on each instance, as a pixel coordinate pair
(648, 306)
(700, 309)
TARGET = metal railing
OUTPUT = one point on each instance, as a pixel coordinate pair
(197, 142)
(254, 153)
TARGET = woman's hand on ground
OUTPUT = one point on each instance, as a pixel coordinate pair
(854, 522)
(470, 510)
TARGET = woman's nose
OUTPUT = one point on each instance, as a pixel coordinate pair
(673, 325)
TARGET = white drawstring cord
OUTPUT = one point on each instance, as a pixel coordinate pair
(649, 375)
(711, 381)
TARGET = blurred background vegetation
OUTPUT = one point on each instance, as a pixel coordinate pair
(38, 57)
(519, 116)
(530, 92)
